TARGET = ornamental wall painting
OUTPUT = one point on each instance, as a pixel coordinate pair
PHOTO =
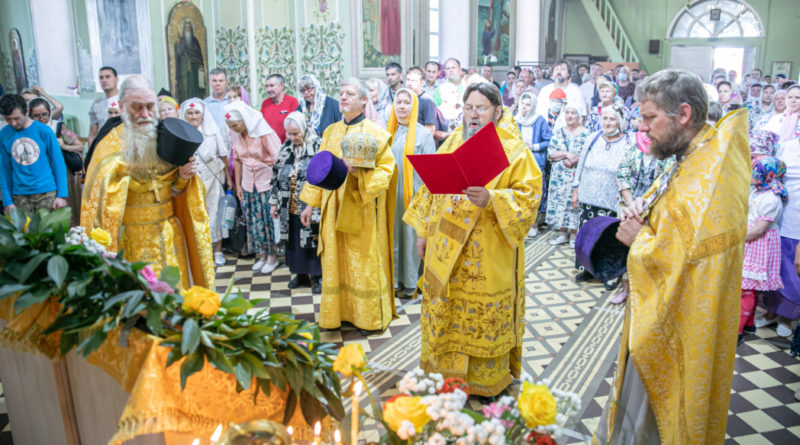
(322, 55)
(187, 52)
(233, 55)
(119, 35)
(275, 55)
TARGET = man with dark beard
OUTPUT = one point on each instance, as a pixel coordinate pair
(686, 238)
(154, 211)
(473, 247)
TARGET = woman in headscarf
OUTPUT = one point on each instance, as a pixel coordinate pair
(787, 125)
(288, 179)
(594, 189)
(380, 99)
(608, 96)
(255, 147)
(210, 159)
(536, 134)
(778, 107)
(564, 152)
(167, 107)
(318, 109)
(409, 137)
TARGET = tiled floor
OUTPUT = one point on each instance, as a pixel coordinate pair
(571, 336)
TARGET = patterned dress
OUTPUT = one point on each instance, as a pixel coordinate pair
(560, 213)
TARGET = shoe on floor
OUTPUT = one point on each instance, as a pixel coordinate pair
(583, 276)
(269, 267)
(572, 243)
(749, 330)
(762, 322)
(784, 330)
(219, 259)
(297, 281)
(562, 239)
(619, 296)
(316, 288)
(259, 264)
(739, 339)
(533, 232)
(611, 284)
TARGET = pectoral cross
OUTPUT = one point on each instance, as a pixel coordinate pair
(155, 187)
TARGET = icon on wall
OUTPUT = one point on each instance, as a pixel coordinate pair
(494, 32)
(187, 52)
(17, 60)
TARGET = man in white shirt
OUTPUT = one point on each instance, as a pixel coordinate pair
(562, 72)
(587, 88)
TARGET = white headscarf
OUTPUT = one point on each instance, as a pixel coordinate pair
(530, 118)
(113, 102)
(253, 120)
(207, 124)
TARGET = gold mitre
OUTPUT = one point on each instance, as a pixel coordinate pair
(360, 149)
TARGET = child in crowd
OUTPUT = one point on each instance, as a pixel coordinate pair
(762, 251)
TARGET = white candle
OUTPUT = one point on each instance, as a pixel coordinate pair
(196, 441)
(217, 433)
(337, 437)
(354, 413)
(317, 433)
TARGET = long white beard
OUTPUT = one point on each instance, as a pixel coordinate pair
(139, 150)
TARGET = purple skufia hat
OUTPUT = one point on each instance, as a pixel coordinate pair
(599, 251)
(326, 170)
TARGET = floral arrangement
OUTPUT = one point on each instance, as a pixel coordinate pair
(42, 260)
(432, 410)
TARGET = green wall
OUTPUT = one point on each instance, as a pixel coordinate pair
(650, 19)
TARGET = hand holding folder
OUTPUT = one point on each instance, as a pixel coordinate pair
(475, 163)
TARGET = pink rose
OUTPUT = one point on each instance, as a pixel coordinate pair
(149, 275)
(160, 286)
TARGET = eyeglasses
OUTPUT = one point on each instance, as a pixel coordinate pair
(38, 116)
(468, 109)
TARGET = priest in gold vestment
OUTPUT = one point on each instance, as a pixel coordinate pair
(473, 289)
(154, 211)
(686, 237)
(356, 222)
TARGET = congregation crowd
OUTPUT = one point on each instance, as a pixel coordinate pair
(587, 153)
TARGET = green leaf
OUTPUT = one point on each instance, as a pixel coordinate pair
(57, 269)
(266, 386)
(237, 306)
(18, 218)
(193, 363)
(7, 290)
(335, 406)
(243, 373)
(220, 361)
(32, 265)
(33, 296)
(56, 219)
(311, 407)
(153, 319)
(258, 368)
(173, 356)
(68, 341)
(131, 306)
(92, 343)
(119, 298)
(191, 336)
(295, 376)
(170, 275)
(205, 339)
(277, 377)
(291, 405)
(478, 418)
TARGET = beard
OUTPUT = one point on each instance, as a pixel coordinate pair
(468, 131)
(675, 142)
(139, 149)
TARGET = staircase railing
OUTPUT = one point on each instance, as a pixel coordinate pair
(603, 11)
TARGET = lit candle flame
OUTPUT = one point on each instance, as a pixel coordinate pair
(217, 433)
(337, 437)
(317, 428)
(196, 442)
(358, 387)
(289, 430)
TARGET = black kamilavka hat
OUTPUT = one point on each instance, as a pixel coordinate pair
(177, 140)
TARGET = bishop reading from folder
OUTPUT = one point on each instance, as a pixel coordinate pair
(473, 245)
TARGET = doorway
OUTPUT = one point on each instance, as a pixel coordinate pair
(729, 59)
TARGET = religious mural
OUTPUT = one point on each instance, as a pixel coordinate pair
(118, 35)
(494, 31)
(187, 52)
(20, 78)
(381, 27)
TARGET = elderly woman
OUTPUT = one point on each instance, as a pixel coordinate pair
(255, 148)
(210, 159)
(288, 179)
(778, 107)
(594, 189)
(608, 96)
(318, 109)
(379, 96)
(167, 107)
(409, 137)
(637, 172)
(536, 134)
(563, 153)
(787, 125)
(39, 109)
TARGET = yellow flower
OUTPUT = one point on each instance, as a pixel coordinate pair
(405, 408)
(537, 405)
(351, 358)
(308, 336)
(27, 221)
(101, 236)
(200, 300)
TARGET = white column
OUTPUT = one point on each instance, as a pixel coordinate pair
(454, 25)
(528, 30)
(253, 57)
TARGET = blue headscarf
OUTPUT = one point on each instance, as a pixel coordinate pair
(768, 174)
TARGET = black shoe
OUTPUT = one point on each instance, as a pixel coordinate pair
(611, 284)
(739, 339)
(583, 276)
(316, 287)
(294, 283)
(367, 333)
(749, 330)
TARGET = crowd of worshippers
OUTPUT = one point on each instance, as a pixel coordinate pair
(582, 126)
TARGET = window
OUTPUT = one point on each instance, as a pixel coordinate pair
(433, 25)
(736, 19)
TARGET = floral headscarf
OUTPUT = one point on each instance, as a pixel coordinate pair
(622, 115)
(319, 101)
(768, 174)
(763, 142)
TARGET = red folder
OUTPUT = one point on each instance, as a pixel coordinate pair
(475, 163)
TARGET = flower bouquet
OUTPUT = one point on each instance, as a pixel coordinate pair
(432, 410)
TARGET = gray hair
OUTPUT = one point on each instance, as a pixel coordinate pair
(304, 83)
(135, 82)
(217, 71)
(671, 88)
(373, 83)
(359, 86)
(488, 90)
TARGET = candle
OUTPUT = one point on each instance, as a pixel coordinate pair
(354, 413)
(217, 433)
(196, 441)
(317, 433)
(337, 437)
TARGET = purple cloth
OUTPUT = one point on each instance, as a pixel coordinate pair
(326, 170)
(598, 250)
(785, 302)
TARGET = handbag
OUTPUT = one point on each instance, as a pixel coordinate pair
(237, 236)
(73, 160)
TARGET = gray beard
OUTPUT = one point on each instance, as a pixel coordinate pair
(468, 132)
(139, 151)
